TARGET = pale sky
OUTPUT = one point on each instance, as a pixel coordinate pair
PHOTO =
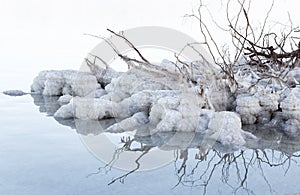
(38, 34)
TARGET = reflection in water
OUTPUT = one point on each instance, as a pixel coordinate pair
(198, 161)
(47, 104)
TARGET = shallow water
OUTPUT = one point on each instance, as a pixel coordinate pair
(41, 155)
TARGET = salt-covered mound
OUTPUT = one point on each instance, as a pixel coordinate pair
(293, 77)
(257, 108)
(291, 112)
(57, 83)
(268, 138)
(149, 99)
(14, 92)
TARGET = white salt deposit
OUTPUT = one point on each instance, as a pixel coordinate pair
(159, 99)
(57, 83)
(291, 111)
(65, 99)
(14, 92)
(226, 127)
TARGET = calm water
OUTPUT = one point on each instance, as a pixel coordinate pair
(40, 155)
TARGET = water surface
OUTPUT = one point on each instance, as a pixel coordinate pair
(43, 155)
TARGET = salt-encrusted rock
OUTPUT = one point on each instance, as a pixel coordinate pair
(65, 99)
(97, 93)
(136, 80)
(94, 108)
(257, 108)
(248, 107)
(151, 99)
(292, 127)
(269, 103)
(291, 104)
(226, 127)
(56, 83)
(247, 101)
(132, 123)
(179, 113)
(65, 111)
(293, 76)
(291, 112)
(169, 121)
(203, 121)
(14, 92)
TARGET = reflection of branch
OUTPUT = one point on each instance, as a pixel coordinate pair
(127, 142)
(246, 167)
(109, 165)
(122, 177)
(267, 161)
(211, 173)
(263, 174)
(223, 162)
(184, 155)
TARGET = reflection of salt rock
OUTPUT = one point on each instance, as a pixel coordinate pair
(291, 111)
(64, 82)
(226, 128)
(248, 107)
(46, 104)
(94, 127)
(178, 140)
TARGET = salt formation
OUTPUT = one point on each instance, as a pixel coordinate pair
(293, 77)
(153, 99)
(146, 99)
(291, 111)
(269, 103)
(65, 99)
(227, 128)
(14, 92)
(248, 107)
(56, 83)
(257, 108)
